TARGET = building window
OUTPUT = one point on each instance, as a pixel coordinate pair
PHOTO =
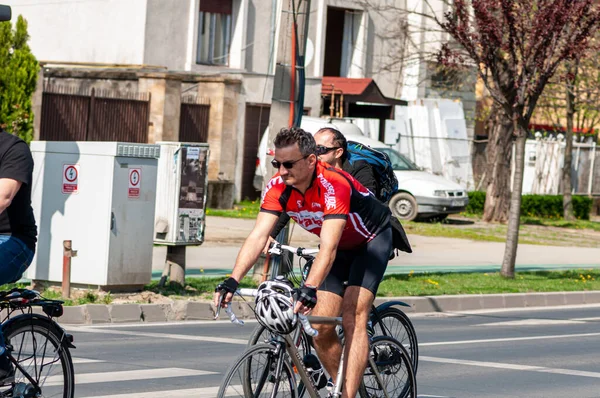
(214, 32)
(341, 38)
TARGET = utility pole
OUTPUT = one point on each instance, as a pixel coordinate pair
(287, 101)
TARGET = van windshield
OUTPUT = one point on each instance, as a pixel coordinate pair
(399, 162)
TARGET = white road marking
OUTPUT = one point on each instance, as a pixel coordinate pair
(590, 319)
(507, 339)
(534, 322)
(432, 396)
(153, 324)
(127, 375)
(498, 365)
(86, 360)
(205, 392)
(499, 310)
(165, 336)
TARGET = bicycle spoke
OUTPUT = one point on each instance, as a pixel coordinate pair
(255, 375)
(37, 352)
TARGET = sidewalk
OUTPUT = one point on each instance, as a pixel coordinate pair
(224, 237)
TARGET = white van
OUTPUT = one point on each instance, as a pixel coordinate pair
(420, 194)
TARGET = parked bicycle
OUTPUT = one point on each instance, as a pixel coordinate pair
(385, 319)
(269, 369)
(38, 347)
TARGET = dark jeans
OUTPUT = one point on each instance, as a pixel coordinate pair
(15, 257)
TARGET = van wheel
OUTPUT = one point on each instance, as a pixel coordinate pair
(404, 206)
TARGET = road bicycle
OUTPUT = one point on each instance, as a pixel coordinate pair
(385, 320)
(269, 369)
(38, 347)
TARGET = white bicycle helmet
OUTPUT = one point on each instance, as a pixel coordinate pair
(274, 306)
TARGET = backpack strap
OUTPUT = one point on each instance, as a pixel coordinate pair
(331, 168)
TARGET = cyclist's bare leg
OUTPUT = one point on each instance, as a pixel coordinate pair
(355, 312)
(327, 342)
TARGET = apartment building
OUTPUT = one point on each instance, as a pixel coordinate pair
(186, 54)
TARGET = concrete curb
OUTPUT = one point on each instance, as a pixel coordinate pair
(182, 310)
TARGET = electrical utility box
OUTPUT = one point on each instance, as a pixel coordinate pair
(181, 193)
(101, 196)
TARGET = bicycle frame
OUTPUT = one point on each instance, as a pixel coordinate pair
(294, 354)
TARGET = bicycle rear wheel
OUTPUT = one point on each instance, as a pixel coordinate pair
(254, 374)
(395, 368)
(395, 323)
(38, 347)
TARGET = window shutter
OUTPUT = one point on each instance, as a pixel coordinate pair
(216, 6)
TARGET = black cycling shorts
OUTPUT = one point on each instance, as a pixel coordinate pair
(362, 267)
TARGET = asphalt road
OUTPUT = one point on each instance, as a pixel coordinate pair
(549, 352)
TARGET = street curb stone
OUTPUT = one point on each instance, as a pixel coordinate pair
(193, 310)
(154, 312)
(76, 315)
(575, 298)
(198, 311)
(592, 297)
(97, 313)
(120, 313)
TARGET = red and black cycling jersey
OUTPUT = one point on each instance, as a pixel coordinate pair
(333, 193)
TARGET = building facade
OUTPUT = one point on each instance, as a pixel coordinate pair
(225, 51)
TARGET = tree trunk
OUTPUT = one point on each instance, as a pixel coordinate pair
(498, 153)
(514, 218)
(567, 186)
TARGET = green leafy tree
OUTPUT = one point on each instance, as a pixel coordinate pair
(18, 78)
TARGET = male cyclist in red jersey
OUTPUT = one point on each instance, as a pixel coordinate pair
(355, 245)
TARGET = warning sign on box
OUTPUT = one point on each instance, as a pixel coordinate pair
(135, 182)
(70, 178)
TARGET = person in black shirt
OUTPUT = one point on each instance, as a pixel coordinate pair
(18, 231)
(332, 148)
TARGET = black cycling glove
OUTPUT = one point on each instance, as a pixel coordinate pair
(307, 295)
(229, 285)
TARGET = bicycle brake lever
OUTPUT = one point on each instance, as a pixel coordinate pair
(218, 309)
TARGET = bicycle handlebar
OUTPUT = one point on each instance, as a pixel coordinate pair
(277, 247)
(252, 293)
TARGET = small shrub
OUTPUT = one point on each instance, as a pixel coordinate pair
(543, 206)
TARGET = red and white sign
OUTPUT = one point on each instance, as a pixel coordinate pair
(135, 182)
(70, 178)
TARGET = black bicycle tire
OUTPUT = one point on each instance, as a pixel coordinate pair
(307, 346)
(407, 391)
(392, 312)
(240, 361)
(47, 327)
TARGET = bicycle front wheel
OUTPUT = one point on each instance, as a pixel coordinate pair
(254, 374)
(37, 346)
(393, 364)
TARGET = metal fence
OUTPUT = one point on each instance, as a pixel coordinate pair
(71, 114)
(193, 122)
(544, 160)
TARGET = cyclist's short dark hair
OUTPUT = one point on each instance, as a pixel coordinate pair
(295, 135)
(338, 139)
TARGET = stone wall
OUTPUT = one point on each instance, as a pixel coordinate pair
(225, 135)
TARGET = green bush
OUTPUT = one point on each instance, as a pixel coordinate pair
(18, 78)
(545, 206)
(476, 202)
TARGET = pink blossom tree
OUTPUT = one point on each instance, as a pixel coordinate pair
(518, 46)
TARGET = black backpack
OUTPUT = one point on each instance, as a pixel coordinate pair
(387, 184)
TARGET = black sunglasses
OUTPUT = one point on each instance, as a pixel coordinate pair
(288, 165)
(322, 150)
